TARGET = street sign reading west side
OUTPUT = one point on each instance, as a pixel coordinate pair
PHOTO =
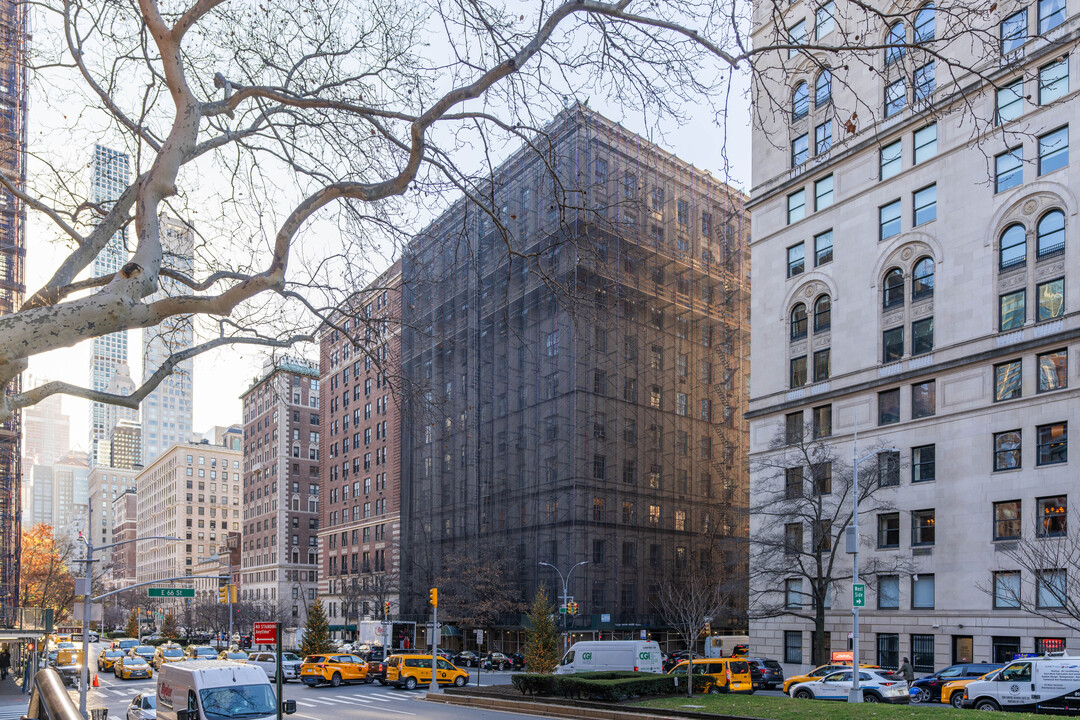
(170, 592)
(858, 595)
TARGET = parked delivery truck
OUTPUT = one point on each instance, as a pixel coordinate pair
(1049, 684)
(216, 690)
(636, 655)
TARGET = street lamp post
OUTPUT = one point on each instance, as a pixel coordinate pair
(216, 557)
(565, 595)
(856, 693)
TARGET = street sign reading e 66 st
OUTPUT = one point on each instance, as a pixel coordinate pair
(858, 595)
(170, 592)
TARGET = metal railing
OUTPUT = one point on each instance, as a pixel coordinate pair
(49, 699)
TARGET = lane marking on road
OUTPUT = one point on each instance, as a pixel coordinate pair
(339, 700)
(303, 703)
(382, 699)
(321, 702)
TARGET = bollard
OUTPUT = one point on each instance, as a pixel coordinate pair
(99, 713)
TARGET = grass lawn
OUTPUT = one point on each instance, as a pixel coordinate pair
(783, 708)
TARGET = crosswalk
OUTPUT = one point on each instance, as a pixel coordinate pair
(12, 712)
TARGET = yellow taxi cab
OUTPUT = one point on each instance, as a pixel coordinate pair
(726, 675)
(333, 668)
(129, 667)
(821, 671)
(107, 658)
(952, 692)
(408, 671)
(167, 654)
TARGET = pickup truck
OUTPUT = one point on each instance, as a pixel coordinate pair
(69, 663)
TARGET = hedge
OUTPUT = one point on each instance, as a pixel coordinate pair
(604, 686)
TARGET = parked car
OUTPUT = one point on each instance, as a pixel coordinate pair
(674, 659)
(878, 686)
(952, 692)
(821, 671)
(333, 668)
(233, 655)
(496, 661)
(408, 671)
(517, 661)
(377, 669)
(771, 672)
(290, 664)
(107, 658)
(465, 658)
(129, 667)
(726, 675)
(143, 707)
(928, 689)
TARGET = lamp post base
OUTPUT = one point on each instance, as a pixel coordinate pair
(854, 696)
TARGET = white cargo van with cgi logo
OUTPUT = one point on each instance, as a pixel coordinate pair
(1040, 684)
(216, 690)
(633, 655)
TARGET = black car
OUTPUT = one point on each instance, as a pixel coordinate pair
(518, 661)
(771, 674)
(674, 659)
(929, 687)
(376, 669)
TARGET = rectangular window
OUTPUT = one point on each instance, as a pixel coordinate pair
(821, 365)
(888, 649)
(895, 97)
(1013, 32)
(822, 421)
(1051, 297)
(923, 399)
(793, 482)
(823, 193)
(923, 463)
(1053, 150)
(821, 473)
(796, 36)
(798, 371)
(888, 468)
(823, 248)
(793, 642)
(1006, 590)
(922, 591)
(793, 595)
(825, 21)
(922, 653)
(892, 344)
(922, 84)
(891, 159)
(889, 220)
(922, 336)
(925, 143)
(1010, 101)
(888, 530)
(796, 206)
(1052, 443)
(889, 407)
(1012, 310)
(922, 527)
(1054, 81)
(793, 427)
(1009, 169)
(1007, 447)
(1053, 370)
(800, 150)
(793, 538)
(1051, 14)
(925, 204)
(823, 137)
(888, 593)
(796, 261)
(1050, 591)
(1007, 380)
(1051, 515)
(1007, 520)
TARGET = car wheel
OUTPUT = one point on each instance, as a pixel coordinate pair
(922, 696)
(714, 689)
(957, 700)
(459, 681)
(410, 683)
(336, 680)
(803, 695)
(988, 705)
(368, 681)
(871, 698)
(383, 682)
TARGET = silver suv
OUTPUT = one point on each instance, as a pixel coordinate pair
(290, 664)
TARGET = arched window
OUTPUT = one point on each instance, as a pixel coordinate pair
(823, 87)
(892, 293)
(822, 313)
(894, 43)
(1013, 247)
(924, 23)
(1050, 234)
(922, 283)
(800, 101)
(798, 322)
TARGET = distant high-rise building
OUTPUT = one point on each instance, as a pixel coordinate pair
(166, 412)
(37, 496)
(105, 485)
(281, 471)
(46, 432)
(125, 514)
(125, 445)
(14, 28)
(231, 436)
(71, 488)
(110, 171)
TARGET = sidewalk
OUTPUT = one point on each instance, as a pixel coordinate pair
(13, 703)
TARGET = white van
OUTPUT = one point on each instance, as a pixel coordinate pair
(721, 646)
(1040, 684)
(635, 655)
(216, 690)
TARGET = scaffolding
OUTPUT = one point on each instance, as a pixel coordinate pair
(581, 397)
(14, 35)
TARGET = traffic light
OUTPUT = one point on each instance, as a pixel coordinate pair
(386, 608)
(232, 594)
(223, 594)
(433, 597)
(571, 607)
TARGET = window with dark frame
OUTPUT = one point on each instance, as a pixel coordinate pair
(823, 248)
(888, 648)
(821, 365)
(1009, 169)
(1007, 450)
(890, 160)
(1052, 516)
(793, 646)
(923, 463)
(1006, 590)
(793, 427)
(822, 314)
(1012, 310)
(922, 591)
(822, 421)
(1054, 80)
(1012, 247)
(888, 535)
(793, 538)
(823, 192)
(895, 97)
(892, 344)
(822, 144)
(888, 468)
(1053, 370)
(892, 289)
(922, 336)
(798, 371)
(1050, 235)
(1051, 14)
(1052, 443)
(796, 206)
(1053, 150)
(821, 474)
(1050, 296)
(924, 141)
(889, 220)
(1010, 101)
(925, 204)
(1013, 32)
(889, 407)
(923, 399)
(922, 653)
(1007, 377)
(889, 591)
(793, 482)
(800, 150)
(922, 279)
(1007, 522)
(795, 260)
(922, 527)
(799, 322)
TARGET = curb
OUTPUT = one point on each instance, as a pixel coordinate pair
(565, 708)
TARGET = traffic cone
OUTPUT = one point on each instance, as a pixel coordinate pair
(95, 683)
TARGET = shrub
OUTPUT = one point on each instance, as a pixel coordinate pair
(603, 686)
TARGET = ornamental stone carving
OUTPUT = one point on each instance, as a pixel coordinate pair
(1031, 206)
(1051, 269)
(893, 318)
(906, 254)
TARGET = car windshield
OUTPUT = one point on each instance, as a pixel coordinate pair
(134, 661)
(173, 652)
(145, 650)
(149, 702)
(239, 701)
(205, 651)
(315, 659)
(290, 657)
(66, 645)
(955, 671)
(568, 658)
(237, 656)
(113, 654)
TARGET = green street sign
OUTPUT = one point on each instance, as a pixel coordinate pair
(858, 595)
(562, 610)
(170, 592)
